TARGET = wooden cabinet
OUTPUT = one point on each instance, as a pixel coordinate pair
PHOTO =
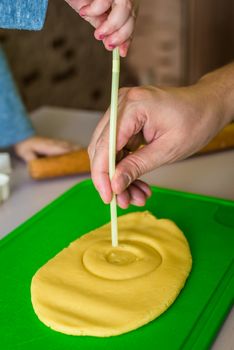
(210, 37)
(177, 41)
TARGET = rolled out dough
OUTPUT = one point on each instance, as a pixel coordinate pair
(91, 288)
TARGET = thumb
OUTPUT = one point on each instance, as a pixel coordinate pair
(135, 165)
(53, 147)
(26, 154)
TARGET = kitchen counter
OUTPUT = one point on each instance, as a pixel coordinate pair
(208, 174)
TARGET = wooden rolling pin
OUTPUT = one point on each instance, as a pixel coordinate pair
(224, 140)
(76, 162)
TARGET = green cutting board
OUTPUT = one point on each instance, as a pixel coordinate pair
(190, 323)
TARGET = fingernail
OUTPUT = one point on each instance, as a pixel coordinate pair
(111, 46)
(149, 194)
(103, 196)
(101, 36)
(82, 13)
(123, 183)
(127, 179)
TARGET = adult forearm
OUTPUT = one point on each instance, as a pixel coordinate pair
(218, 87)
(22, 14)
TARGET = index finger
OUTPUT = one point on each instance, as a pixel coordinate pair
(100, 166)
(115, 20)
(96, 8)
(103, 123)
(97, 133)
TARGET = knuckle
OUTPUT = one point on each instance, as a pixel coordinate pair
(135, 93)
(123, 90)
(128, 4)
(138, 165)
(135, 167)
(90, 150)
(122, 94)
(101, 144)
(117, 38)
(111, 27)
(100, 4)
(108, 2)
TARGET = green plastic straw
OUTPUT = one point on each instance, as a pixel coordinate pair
(112, 140)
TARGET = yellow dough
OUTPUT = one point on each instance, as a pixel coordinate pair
(91, 288)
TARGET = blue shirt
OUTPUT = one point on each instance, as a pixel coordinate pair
(22, 14)
(14, 123)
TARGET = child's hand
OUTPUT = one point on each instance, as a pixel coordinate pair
(114, 20)
(32, 147)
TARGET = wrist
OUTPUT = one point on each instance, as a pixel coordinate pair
(206, 111)
(218, 90)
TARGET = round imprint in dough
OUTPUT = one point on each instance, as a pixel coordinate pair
(130, 259)
(91, 288)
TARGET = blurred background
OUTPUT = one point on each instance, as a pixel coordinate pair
(176, 41)
(64, 66)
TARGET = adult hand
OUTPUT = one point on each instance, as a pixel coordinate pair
(32, 147)
(171, 124)
(114, 20)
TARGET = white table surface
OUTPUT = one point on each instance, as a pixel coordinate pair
(210, 175)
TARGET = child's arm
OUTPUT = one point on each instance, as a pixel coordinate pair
(14, 124)
(23, 14)
(15, 127)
